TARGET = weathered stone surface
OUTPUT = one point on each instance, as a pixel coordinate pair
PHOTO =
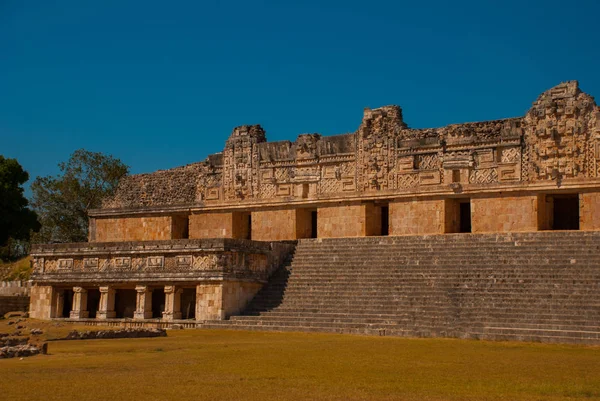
(19, 351)
(556, 139)
(110, 334)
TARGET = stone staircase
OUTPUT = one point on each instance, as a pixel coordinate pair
(542, 286)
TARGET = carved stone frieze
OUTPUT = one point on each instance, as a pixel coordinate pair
(558, 138)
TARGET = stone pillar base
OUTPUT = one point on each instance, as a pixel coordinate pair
(142, 315)
(106, 315)
(79, 314)
(171, 316)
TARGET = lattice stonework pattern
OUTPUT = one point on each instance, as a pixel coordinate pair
(282, 174)
(408, 180)
(428, 162)
(510, 155)
(483, 176)
(267, 190)
(328, 185)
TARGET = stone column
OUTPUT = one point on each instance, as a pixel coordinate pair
(172, 303)
(143, 305)
(106, 310)
(79, 303)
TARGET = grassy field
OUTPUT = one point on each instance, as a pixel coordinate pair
(230, 365)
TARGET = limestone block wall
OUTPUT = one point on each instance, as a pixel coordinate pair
(417, 217)
(341, 221)
(589, 211)
(504, 213)
(220, 225)
(281, 225)
(41, 302)
(237, 294)
(209, 301)
(211, 225)
(133, 229)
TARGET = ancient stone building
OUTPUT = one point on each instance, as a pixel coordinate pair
(185, 243)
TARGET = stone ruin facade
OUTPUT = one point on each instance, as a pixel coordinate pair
(158, 232)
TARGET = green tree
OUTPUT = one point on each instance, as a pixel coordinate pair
(16, 219)
(62, 201)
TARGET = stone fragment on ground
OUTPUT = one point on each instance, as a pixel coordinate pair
(9, 315)
(109, 334)
(19, 351)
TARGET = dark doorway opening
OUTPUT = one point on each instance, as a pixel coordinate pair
(465, 217)
(125, 303)
(67, 303)
(249, 225)
(158, 302)
(188, 303)
(385, 220)
(313, 224)
(180, 227)
(93, 302)
(566, 212)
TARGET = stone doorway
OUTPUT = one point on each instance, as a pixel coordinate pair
(188, 303)
(464, 219)
(67, 304)
(565, 212)
(158, 302)
(93, 302)
(313, 224)
(125, 300)
(385, 220)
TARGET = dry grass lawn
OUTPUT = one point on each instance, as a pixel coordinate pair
(18, 270)
(231, 365)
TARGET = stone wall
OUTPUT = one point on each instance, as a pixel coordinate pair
(504, 214)
(209, 302)
(281, 224)
(590, 211)
(218, 301)
(220, 225)
(211, 225)
(237, 295)
(409, 217)
(15, 288)
(13, 303)
(146, 228)
(41, 302)
(341, 221)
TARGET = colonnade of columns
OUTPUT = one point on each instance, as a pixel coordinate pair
(106, 306)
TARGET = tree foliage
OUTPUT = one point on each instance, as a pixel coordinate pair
(16, 219)
(62, 201)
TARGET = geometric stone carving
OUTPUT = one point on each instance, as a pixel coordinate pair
(65, 264)
(183, 261)
(122, 262)
(155, 262)
(90, 263)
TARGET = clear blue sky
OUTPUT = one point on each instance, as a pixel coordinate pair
(162, 83)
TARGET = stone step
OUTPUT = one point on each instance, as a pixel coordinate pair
(543, 286)
(404, 320)
(507, 318)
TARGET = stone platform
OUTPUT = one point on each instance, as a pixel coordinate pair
(542, 286)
